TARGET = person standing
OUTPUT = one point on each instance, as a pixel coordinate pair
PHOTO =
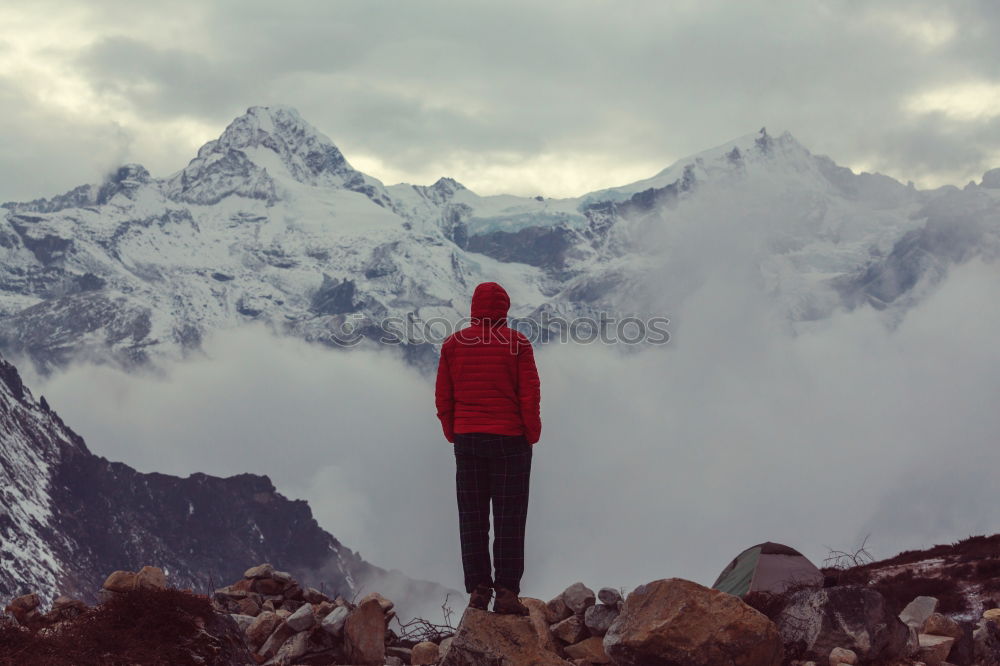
(488, 401)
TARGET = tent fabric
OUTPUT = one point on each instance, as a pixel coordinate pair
(767, 567)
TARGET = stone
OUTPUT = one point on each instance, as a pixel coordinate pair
(302, 619)
(445, 644)
(292, 592)
(24, 608)
(942, 625)
(570, 630)
(314, 596)
(424, 654)
(247, 606)
(934, 649)
(151, 577)
(484, 639)
(364, 634)
(537, 613)
(590, 650)
(393, 661)
(291, 605)
(259, 571)
(274, 642)
(65, 608)
(268, 606)
(322, 609)
(598, 618)
(403, 653)
(282, 577)
(262, 626)
(986, 643)
(333, 623)
(242, 621)
(839, 655)
(992, 615)
(814, 621)
(917, 612)
(609, 596)
(557, 610)
(283, 613)
(267, 586)
(384, 603)
(672, 622)
(292, 649)
(119, 581)
(579, 598)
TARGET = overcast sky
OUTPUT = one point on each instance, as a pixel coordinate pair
(554, 98)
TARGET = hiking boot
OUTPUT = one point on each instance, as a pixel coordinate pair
(507, 603)
(480, 597)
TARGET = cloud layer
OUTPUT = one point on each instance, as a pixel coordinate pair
(556, 99)
(662, 463)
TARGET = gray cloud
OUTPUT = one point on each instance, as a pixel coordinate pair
(662, 463)
(436, 86)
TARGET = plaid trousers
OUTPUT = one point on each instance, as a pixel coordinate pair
(492, 468)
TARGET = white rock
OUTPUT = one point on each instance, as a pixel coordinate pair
(334, 622)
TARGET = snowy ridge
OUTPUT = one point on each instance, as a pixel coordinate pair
(270, 223)
(32, 553)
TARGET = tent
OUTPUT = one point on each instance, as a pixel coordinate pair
(767, 567)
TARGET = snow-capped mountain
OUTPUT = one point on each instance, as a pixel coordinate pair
(68, 518)
(271, 223)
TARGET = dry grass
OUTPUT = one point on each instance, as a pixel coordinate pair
(144, 626)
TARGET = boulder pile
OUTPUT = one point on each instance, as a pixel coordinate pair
(285, 623)
(267, 618)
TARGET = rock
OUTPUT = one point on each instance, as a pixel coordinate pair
(570, 630)
(24, 608)
(65, 608)
(314, 596)
(814, 621)
(599, 617)
(674, 622)
(302, 619)
(120, 581)
(839, 655)
(590, 650)
(364, 634)
(268, 606)
(283, 613)
(322, 609)
(986, 643)
(424, 654)
(259, 571)
(292, 592)
(486, 639)
(393, 661)
(941, 625)
(609, 596)
(384, 603)
(557, 610)
(282, 577)
(403, 653)
(917, 612)
(992, 615)
(291, 605)
(292, 649)
(262, 626)
(333, 623)
(578, 598)
(242, 621)
(445, 644)
(267, 586)
(151, 577)
(934, 649)
(538, 614)
(274, 642)
(247, 606)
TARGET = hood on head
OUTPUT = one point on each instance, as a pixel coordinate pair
(490, 302)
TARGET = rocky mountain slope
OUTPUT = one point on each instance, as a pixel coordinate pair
(271, 223)
(67, 517)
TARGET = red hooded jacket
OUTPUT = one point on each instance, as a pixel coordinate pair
(486, 379)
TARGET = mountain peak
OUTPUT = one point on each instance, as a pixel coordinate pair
(260, 149)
